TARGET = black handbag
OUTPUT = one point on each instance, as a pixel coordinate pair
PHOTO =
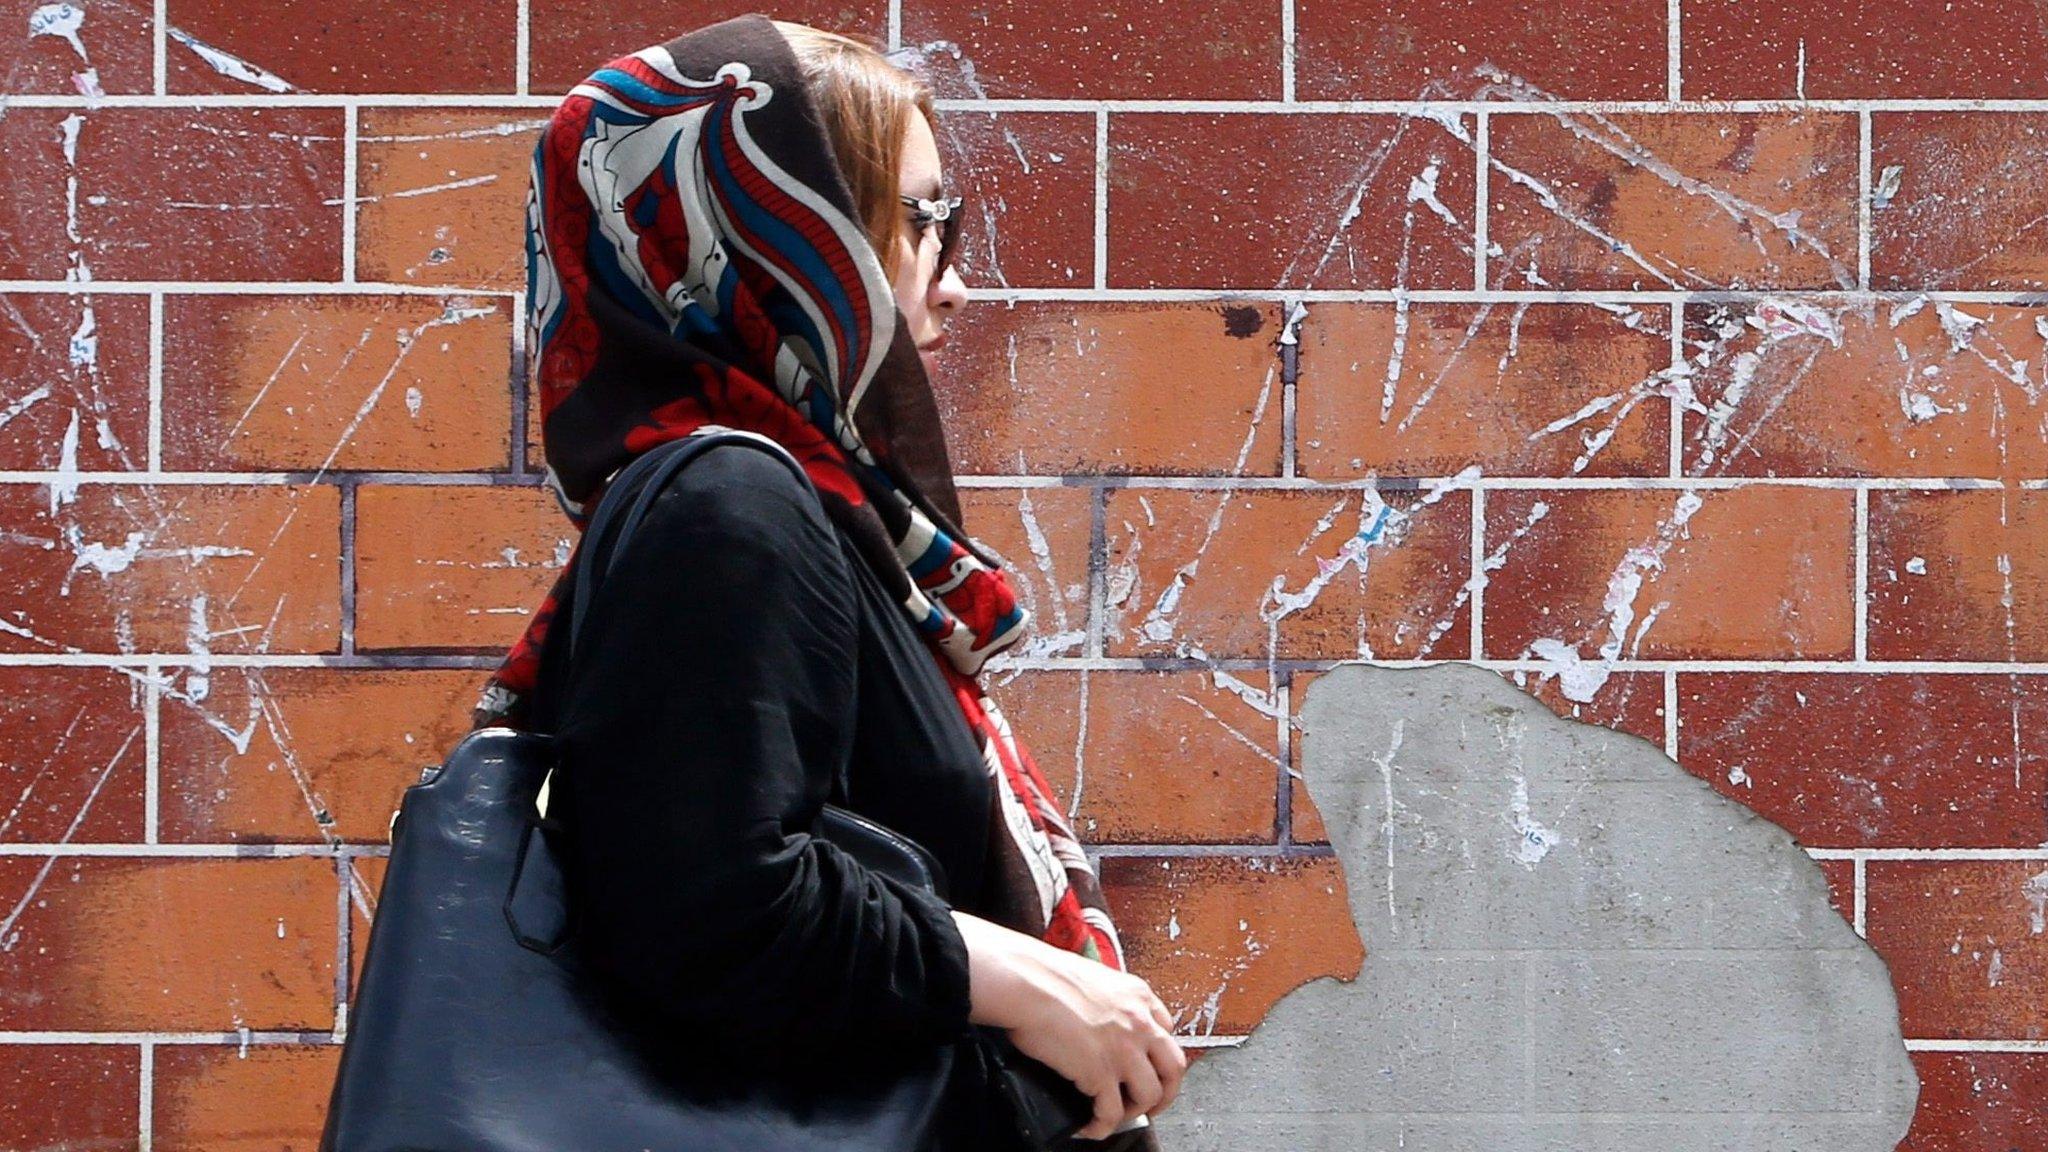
(477, 1027)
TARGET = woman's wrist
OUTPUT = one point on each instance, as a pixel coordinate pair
(1007, 981)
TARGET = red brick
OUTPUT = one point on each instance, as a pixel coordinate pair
(1962, 606)
(78, 756)
(1042, 536)
(105, 390)
(1841, 875)
(1720, 200)
(69, 1096)
(1979, 1102)
(1415, 558)
(416, 383)
(263, 1099)
(1486, 385)
(115, 41)
(1222, 939)
(364, 46)
(133, 568)
(304, 754)
(175, 193)
(1874, 761)
(1174, 389)
(573, 38)
(1967, 212)
(1203, 50)
(441, 195)
(1755, 573)
(451, 568)
(229, 943)
(1028, 185)
(1962, 941)
(1271, 201)
(1872, 50)
(1895, 397)
(1347, 50)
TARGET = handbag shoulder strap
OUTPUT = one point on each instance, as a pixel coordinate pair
(658, 465)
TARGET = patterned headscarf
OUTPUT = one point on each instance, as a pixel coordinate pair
(693, 260)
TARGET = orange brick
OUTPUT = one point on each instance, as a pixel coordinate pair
(1028, 185)
(1898, 397)
(1222, 939)
(69, 1096)
(1959, 575)
(365, 878)
(1285, 200)
(1879, 49)
(1700, 200)
(304, 754)
(1523, 389)
(443, 568)
(107, 397)
(363, 46)
(1965, 213)
(1063, 388)
(441, 195)
(174, 193)
(572, 38)
(1979, 1102)
(76, 766)
(1169, 757)
(1841, 876)
(223, 944)
(174, 569)
(1754, 573)
(1042, 536)
(1207, 49)
(1959, 936)
(261, 1099)
(1175, 584)
(414, 383)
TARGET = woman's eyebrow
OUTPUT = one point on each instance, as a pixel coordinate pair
(933, 189)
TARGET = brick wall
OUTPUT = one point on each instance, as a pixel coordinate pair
(1673, 359)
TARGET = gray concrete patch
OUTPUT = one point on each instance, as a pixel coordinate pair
(1572, 945)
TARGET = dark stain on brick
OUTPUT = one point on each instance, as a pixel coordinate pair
(1242, 321)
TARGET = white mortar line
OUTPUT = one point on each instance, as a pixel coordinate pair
(2013, 1046)
(1671, 722)
(1676, 415)
(1674, 11)
(264, 851)
(159, 20)
(522, 51)
(1990, 854)
(895, 24)
(1477, 601)
(129, 1039)
(1862, 574)
(1482, 149)
(145, 1102)
(1862, 899)
(1431, 109)
(348, 196)
(1283, 719)
(155, 449)
(1101, 201)
(1105, 295)
(1287, 51)
(152, 738)
(486, 659)
(1863, 198)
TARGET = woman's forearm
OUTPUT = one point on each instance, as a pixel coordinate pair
(1007, 980)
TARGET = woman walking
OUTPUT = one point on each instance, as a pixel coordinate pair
(748, 227)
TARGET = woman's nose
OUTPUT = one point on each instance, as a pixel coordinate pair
(949, 290)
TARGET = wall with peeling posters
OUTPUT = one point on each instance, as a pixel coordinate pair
(1413, 430)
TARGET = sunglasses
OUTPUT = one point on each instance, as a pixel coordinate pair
(945, 213)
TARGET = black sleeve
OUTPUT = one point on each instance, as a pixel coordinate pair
(709, 707)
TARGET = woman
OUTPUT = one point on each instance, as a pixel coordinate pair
(748, 227)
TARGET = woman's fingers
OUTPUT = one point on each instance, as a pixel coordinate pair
(1141, 1081)
(1171, 1063)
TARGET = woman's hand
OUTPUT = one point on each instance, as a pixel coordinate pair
(1101, 1028)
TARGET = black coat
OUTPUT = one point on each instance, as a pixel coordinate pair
(738, 659)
